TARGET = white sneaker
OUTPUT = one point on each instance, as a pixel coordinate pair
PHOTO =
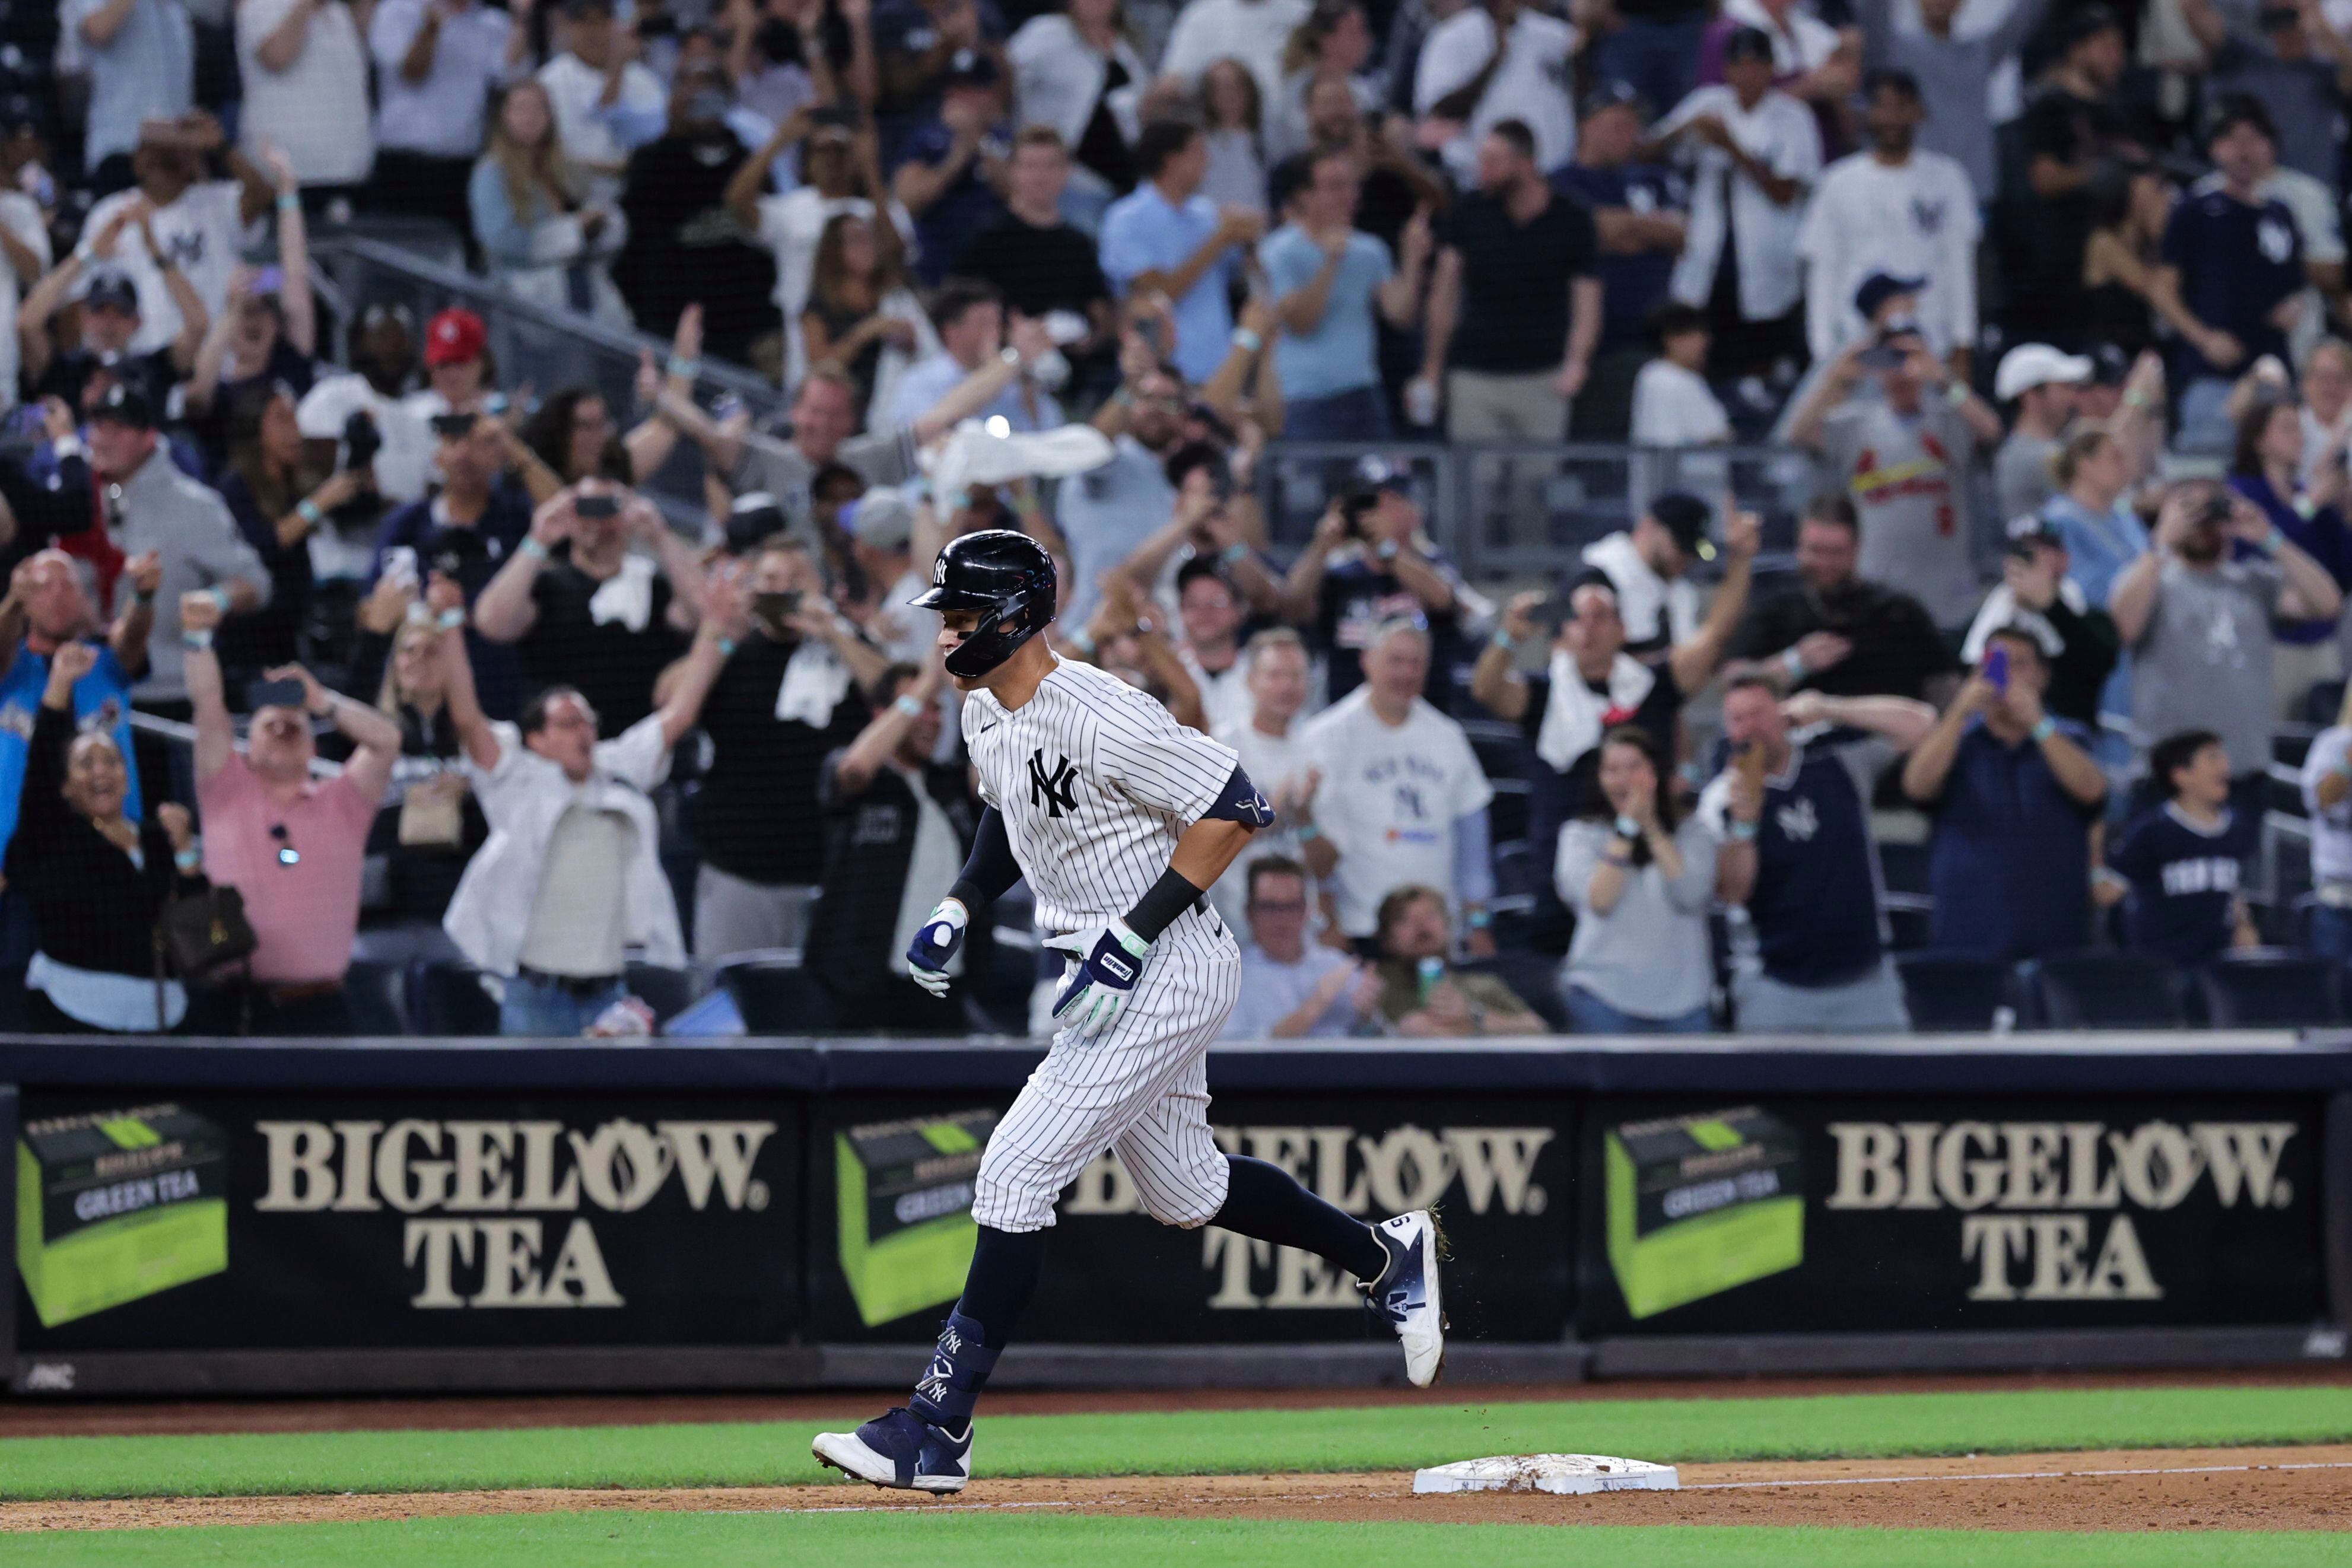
(1408, 1295)
(898, 1448)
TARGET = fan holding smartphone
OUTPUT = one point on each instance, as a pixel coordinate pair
(2014, 792)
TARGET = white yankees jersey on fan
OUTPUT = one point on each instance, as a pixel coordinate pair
(1096, 781)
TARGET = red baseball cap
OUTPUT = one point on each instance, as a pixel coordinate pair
(454, 337)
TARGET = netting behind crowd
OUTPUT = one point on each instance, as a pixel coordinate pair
(1793, 517)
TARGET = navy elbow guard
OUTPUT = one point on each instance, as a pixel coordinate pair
(1239, 802)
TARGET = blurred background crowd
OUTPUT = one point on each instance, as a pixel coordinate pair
(1763, 515)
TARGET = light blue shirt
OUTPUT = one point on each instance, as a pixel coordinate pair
(921, 386)
(1271, 991)
(2098, 547)
(1105, 513)
(1342, 354)
(102, 701)
(148, 69)
(1144, 233)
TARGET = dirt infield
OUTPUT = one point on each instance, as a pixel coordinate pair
(2228, 1489)
(42, 1418)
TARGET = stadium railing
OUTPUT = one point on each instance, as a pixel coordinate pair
(530, 345)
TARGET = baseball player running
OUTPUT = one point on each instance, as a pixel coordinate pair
(1121, 819)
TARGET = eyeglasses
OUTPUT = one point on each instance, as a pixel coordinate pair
(288, 855)
(1285, 907)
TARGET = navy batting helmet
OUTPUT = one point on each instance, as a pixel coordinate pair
(1009, 579)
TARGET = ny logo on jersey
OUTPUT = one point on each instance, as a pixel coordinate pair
(1056, 791)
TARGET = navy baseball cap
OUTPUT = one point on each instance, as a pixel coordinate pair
(1684, 515)
(125, 404)
(1615, 94)
(2031, 528)
(1378, 473)
(2086, 22)
(970, 68)
(1881, 286)
(1748, 44)
(112, 289)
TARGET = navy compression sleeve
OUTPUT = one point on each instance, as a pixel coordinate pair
(990, 869)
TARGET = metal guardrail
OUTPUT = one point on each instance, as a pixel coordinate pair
(531, 344)
(1497, 510)
(1524, 509)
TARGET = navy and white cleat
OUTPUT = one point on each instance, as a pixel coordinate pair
(1407, 1294)
(898, 1448)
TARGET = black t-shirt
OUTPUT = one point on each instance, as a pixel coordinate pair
(869, 842)
(153, 375)
(1102, 146)
(471, 556)
(1036, 269)
(1555, 797)
(426, 876)
(2042, 237)
(755, 814)
(1896, 648)
(613, 667)
(1515, 281)
(1384, 205)
(287, 363)
(1356, 597)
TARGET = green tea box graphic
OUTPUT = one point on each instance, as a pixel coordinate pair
(905, 1194)
(1700, 1204)
(118, 1205)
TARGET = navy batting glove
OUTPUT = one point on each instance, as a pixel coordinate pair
(1109, 960)
(935, 943)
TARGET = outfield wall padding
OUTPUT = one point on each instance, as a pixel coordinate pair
(451, 1215)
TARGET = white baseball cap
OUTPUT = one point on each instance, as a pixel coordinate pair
(2031, 365)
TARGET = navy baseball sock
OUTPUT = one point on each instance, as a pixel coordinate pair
(1004, 1269)
(1263, 1201)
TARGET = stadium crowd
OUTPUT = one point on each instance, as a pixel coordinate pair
(2048, 294)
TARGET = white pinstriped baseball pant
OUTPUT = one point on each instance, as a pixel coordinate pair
(1140, 1090)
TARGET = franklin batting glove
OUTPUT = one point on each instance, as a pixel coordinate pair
(1109, 960)
(935, 943)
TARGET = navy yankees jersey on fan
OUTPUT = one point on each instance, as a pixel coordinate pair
(1096, 781)
(2184, 882)
(1815, 905)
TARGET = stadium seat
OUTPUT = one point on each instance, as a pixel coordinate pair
(1903, 868)
(1948, 994)
(377, 994)
(2269, 988)
(667, 991)
(1910, 921)
(446, 997)
(2098, 989)
(776, 996)
(2322, 703)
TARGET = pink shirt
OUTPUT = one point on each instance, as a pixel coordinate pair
(306, 914)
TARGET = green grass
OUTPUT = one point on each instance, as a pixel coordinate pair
(1201, 1442)
(982, 1541)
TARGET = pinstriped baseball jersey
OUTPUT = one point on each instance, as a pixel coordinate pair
(1096, 781)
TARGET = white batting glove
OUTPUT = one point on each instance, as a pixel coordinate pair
(1107, 962)
(935, 943)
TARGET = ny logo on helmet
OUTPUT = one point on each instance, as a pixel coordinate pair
(1056, 791)
(940, 570)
